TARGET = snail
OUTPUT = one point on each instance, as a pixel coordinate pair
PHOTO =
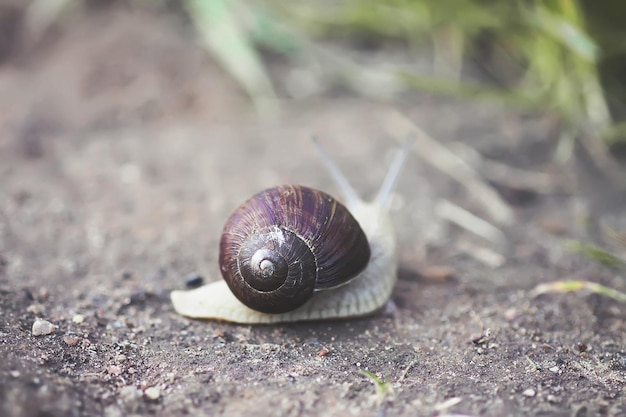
(292, 253)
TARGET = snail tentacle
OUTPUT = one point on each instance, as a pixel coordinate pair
(393, 173)
(348, 192)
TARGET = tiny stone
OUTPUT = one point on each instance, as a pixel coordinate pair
(120, 358)
(529, 392)
(78, 318)
(35, 308)
(42, 327)
(114, 370)
(71, 340)
(438, 273)
(15, 374)
(511, 314)
(323, 352)
(152, 393)
(551, 398)
(554, 369)
(194, 280)
(129, 392)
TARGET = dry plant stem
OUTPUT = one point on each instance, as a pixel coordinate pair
(451, 164)
(450, 402)
(376, 82)
(500, 173)
(469, 221)
(407, 370)
(482, 254)
(599, 153)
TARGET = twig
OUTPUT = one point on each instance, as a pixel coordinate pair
(482, 254)
(507, 175)
(534, 364)
(450, 402)
(599, 154)
(463, 218)
(407, 369)
(451, 164)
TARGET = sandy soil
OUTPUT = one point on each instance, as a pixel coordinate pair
(124, 148)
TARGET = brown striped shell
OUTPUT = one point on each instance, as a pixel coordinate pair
(287, 242)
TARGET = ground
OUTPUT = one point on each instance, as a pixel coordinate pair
(123, 149)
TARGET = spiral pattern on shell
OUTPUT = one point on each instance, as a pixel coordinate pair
(287, 242)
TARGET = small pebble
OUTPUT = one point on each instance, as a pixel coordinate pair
(152, 393)
(71, 340)
(129, 393)
(36, 309)
(114, 370)
(323, 352)
(511, 314)
(78, 318)
(194, 281)
(554, 369)
(221, 335)
(438, 272)
(15, 374)
(43, 327)
(529, 392)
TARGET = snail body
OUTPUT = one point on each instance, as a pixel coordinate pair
(340, 260)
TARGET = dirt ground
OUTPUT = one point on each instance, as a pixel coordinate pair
(123, 149)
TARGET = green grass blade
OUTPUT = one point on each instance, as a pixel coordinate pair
(577, 286)
(222, 34)
(382, 388)
(597, 254)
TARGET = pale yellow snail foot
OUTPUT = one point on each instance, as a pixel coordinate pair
(215, 301)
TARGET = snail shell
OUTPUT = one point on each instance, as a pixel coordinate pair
(333, 295)
(286, 242)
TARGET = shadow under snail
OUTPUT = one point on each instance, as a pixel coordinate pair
(292, 253)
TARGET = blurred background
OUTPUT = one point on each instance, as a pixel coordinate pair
(562, 58)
